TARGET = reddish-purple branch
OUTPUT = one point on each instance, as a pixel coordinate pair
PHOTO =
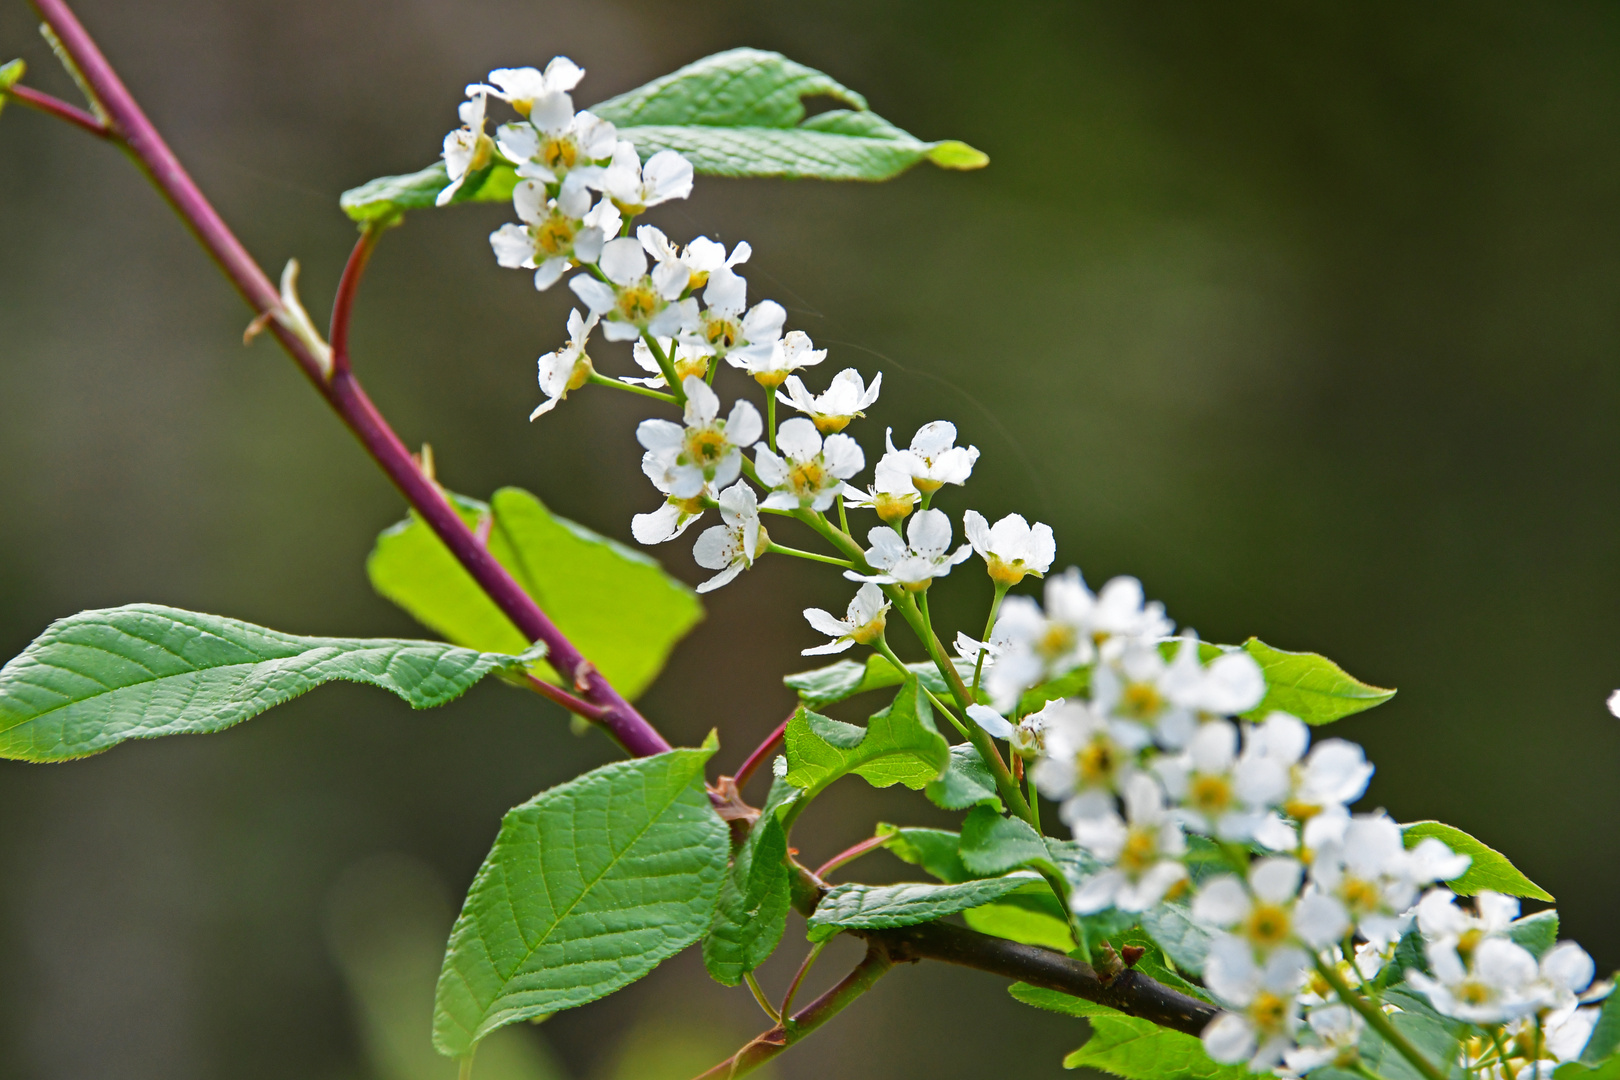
(60, 109)
(850, 854)
(348, 288)
(761, 752)
(127, 122)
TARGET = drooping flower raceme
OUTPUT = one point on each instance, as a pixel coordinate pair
(1011, 548)
(918, 559)
(732, 546)
(862, 623)
(706, 450)
(806, 473)
(567, 368)
(556, 234)
(843, 401)
(630, 303)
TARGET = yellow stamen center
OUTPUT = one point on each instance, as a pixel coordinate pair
(807, 477)
(1267, 925)
(1141, 851)
(1096, 763)
(559, 152)
(721, 332)
(691, 365)
(705, 446)
(639, 302)
(1140, 701)
(1210, 795)
(1268, 1011)
(555, 235)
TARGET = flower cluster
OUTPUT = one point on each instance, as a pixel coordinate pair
(1166, 763)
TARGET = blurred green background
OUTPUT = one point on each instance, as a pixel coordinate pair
(1305, 314)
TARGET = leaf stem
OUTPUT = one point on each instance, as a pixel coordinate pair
(1378, 1021)
(348, 289)
(644, 391)
(759, 996)
(666, 367)
(770, 418)
(778, 549)
(804, 969)
(343, 392)
(850, 854)
(764, 750)
(553, 692)
(53, 106)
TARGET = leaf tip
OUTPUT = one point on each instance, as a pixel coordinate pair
(954, 154)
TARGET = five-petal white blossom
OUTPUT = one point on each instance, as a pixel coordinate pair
(843, 401)
(634, 186)
(523, 87)
(706, 450)
(1262, 999)
(862, 624)
(1266, 911)
(795, 350)
(915, 561)
(552, 140)
(933, 459)
(732, 546)
(556, 233)
(1336, 1029)
(466, 149)
(806, 473)
(630, 303)
(1142, 852)
(1371, 873)
(1089, 759)
(567, 368)
(1218, 792)
(892, 494)
(1011, 548)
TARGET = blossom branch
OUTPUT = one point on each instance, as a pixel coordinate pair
(130, 125)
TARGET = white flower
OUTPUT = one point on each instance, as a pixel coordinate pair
(933, 459)
(843, 401)
(1371, 873)
(1614, 703)
(630, 302)
(1499, 981)
(635, 187)
(1263, 999)
(893, 496)
(1139, 686)
(685, 359)
(554, 235)
(731, 547)
(1040, 645)
(808, 473)
(862, 624)
(1011, 548)
(1337, 1029)
(1268, 913)
(467, 149)
(1220, 793)
(1027, 737)
(677, 514)
(1334, 775)
(791, 353)
(1089, 759)
(706, 451)
(567, 368)
(915, 561)
(1445, 924)
(522, 87)
(1565, 971)
(1143, 852)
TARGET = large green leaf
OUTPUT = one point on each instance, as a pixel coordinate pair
(1490, 869)
(1312, 687)
(1172, 928)
(736, 113)
(992, 844)
(826, 686)
(588, 887)
(1604, 1042)
(1580, 1070)
(617, 606)
(967, 782)
(752, 913)
(1031, 916)
(869, 907)
(935, 850)
(1127, 1046)
(900, 745)
(94, 679)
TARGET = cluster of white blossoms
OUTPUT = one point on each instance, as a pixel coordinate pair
(1155, 753)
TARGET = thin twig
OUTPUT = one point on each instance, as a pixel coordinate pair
(52, 106)
(761, 752)
(552, 692)
(850, 854)
(348, 288)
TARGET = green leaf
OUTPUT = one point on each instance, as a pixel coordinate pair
(1604, 1042)
(1073, 684)
(588, 887)
(94, 679)
(617, 606)
(867, 907)
(1538, 932)
(1172, 928)
(1126, 1046)
(1580, 1070)
(751, 915)
(386, 197)
(992, 844)
(736, 113)
(1030, 916)
(1432, 1036)
(1490, 869)
(10, 75)
(967, 782)
(826, 686)
(1311, 687)
(935, 850)
(900, 745)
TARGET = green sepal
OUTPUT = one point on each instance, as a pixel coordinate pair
(1490, 869)
(899, 745)
(836, 682)
(95, 679)
(589, 886)
(618, 606)
(1309, 686)
(1127, 1046)
(751, 915)
(869, 907)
